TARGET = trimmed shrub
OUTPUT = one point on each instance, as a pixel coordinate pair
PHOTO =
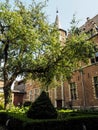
(42, 108)
(27, 103)
(79, 123)
(3, 118)
(15, 124)
(72, 123)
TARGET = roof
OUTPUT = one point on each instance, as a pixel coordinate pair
(19, 87)
(90, 23)
(63, 30)
(57, 21)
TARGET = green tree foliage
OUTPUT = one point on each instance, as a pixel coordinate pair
(42, 108)
(79, 44)
(29, 44)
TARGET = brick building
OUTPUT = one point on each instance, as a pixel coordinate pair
(1, 86)
(25, 91)
(18, 93)
(82, 89)
(1, 91)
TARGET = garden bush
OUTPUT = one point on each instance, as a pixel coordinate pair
(27, 103)
(72, 123)
(90, 123)
(63, 114)
(42, 108)
(3, 118)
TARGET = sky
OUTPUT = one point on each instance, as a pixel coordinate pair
(81, 8)
(67, 8)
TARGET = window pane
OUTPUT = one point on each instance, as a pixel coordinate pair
(96, 85)
(96, 90)
(92, 60)
(73, 91)
(96, 54)
(96, 59)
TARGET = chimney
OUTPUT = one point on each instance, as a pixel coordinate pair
(88, 19)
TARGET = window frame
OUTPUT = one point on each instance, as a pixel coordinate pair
(94, 59)
(73, 91)
(96, 86)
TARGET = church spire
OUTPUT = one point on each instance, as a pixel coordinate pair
(57, 21)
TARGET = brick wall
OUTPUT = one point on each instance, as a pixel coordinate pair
(84, 87)
(33, 89)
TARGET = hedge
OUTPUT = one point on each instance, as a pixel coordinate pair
(91, 123)
(73, 123)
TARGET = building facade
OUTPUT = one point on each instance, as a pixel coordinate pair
(25, 91)
(81, 91)
(1, 91)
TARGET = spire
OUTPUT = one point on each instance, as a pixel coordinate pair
(57, 21)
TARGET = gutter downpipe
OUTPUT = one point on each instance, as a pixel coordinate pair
(62, 92)
(83, 89)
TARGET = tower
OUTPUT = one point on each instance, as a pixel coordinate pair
(63, 33)
(58, 96)
(57, 21)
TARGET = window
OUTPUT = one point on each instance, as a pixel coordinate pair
(73, 91)
(33, 94)
(96, 56)
(36, 94)
(30, 95)
(94, 59)
(96, 86)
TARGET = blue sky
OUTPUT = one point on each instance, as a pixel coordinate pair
(81, 8)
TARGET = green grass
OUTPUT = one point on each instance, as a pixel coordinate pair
(20, 113)
(64, 114)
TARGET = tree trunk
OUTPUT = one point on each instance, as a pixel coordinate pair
(7, 93)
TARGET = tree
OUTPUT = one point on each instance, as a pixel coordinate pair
(79, 44)
(29, 44)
